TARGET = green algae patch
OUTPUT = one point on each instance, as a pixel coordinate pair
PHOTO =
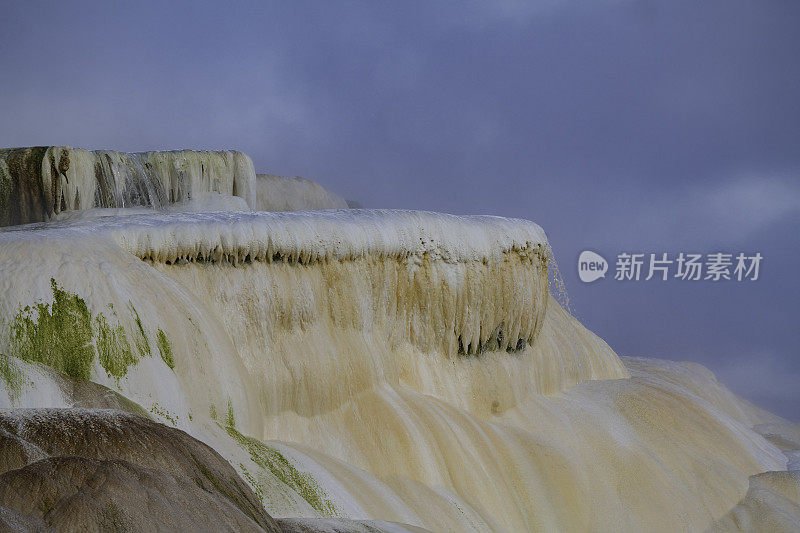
(252, 482)
(58, 335)
(113, 348)
(140, 337)
(273, 460)
(11, 375)
(164, 413)
(165, 349)
(230, 418)
(65, 336)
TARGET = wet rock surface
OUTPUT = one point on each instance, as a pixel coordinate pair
(106, 470)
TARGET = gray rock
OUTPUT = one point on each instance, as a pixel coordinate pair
(107, 470)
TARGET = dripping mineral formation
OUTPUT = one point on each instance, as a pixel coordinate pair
(39, 184)
(332, 370)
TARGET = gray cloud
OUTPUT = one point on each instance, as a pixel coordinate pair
(701, 215)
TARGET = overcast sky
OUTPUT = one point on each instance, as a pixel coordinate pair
(619, 126)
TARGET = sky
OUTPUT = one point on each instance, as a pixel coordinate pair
(618, 126)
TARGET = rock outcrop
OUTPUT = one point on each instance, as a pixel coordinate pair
(107, 470)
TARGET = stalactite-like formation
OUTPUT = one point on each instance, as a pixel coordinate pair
(38, 183)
